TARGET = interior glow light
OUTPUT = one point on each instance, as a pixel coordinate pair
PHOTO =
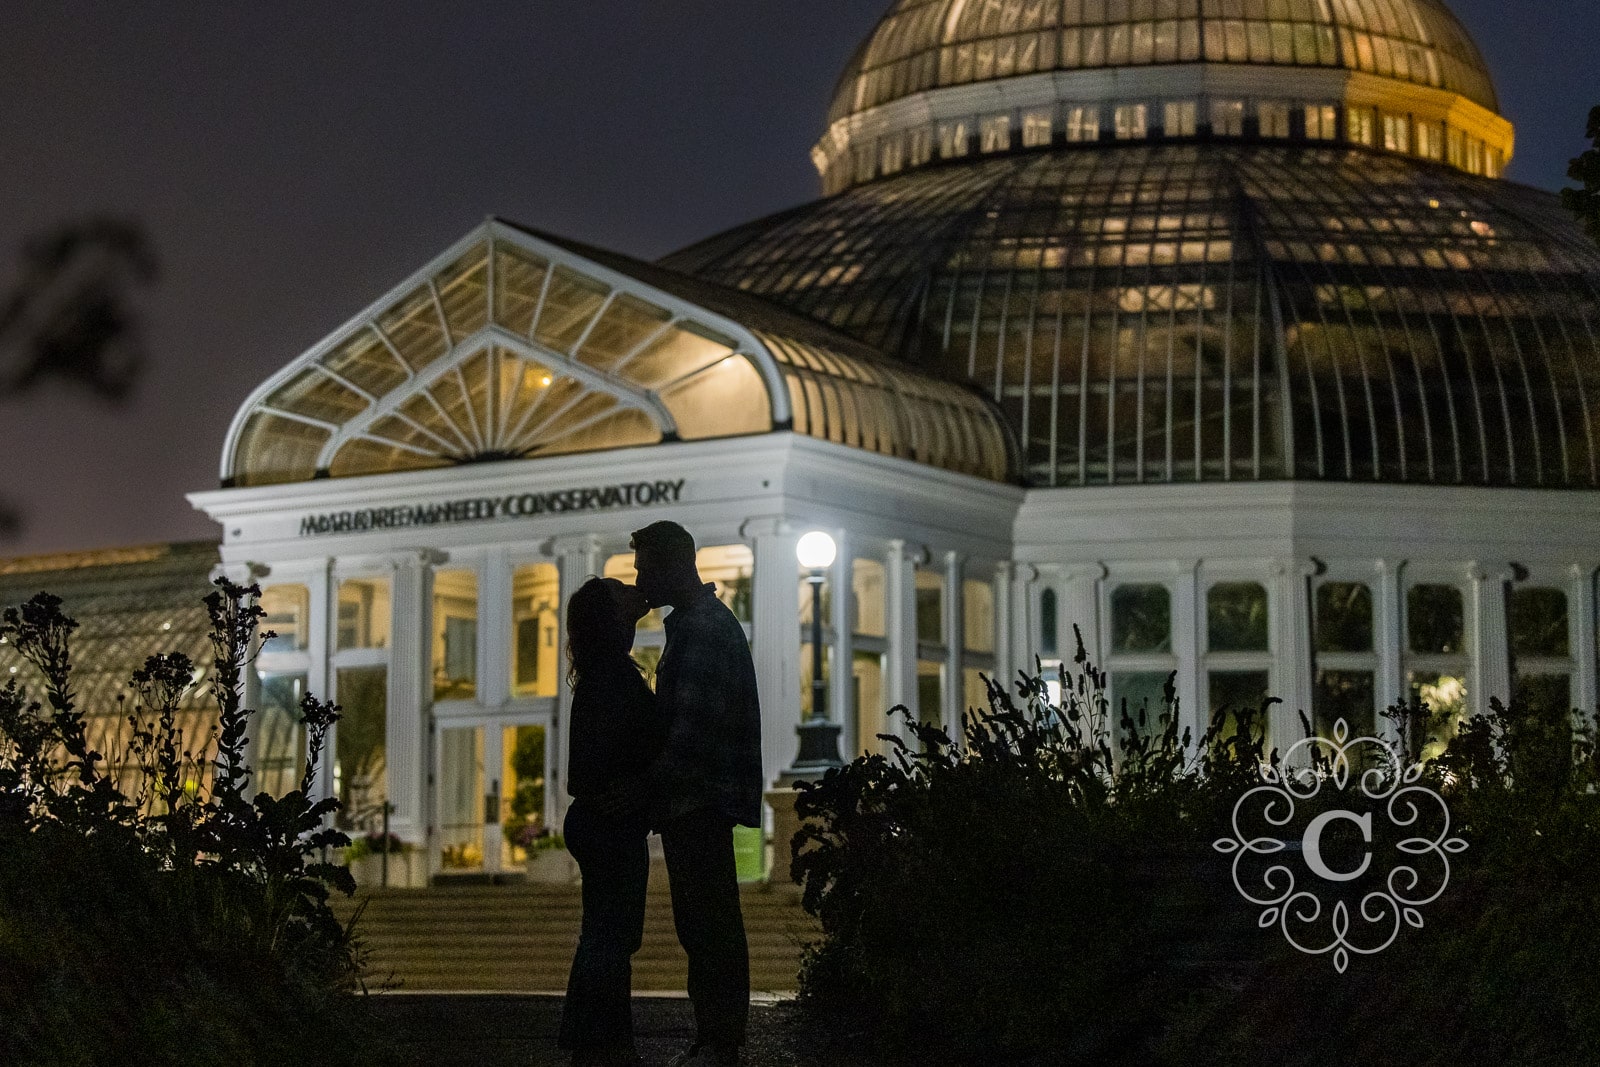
(816, 551)
(545, 380)
(166, 626)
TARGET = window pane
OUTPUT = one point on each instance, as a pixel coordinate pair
(1236, 617)
(1347, 695)
(460, 797)
(930, 606)
(1141, 619)
(1544, 692)
(288, 609)
(977, 600)
(975, 695)
(1229, 692)
(536, 659)
(1538, 622)
(359, 771)
(1435, 621)
(1446, 698)
(363, 614)
(730, 568)
(867, 604)
(1138, 693)
(1049, 639)
(455, 635)
(522, 777)
(1344, 617)
(866, 700)
(930, 691)
(280, 747)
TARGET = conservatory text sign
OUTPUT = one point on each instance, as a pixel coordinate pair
(491, 508)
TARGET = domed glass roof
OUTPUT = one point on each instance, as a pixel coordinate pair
(931, 44)
(1215, 311)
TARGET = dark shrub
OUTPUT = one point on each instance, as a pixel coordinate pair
(157, 914)
(1042, 894)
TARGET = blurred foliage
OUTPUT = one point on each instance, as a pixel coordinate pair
(153, 912)
(69, 315)
(1045, 892)
(1584, 201)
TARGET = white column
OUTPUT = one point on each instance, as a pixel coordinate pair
(1388, 639)
(842, 618)
(1024, 623)
(1491, 654)
(954, 692)
(1290, 678)
(775, 638)
(410, 696)
(1580, 616)
(1188, 622)
(577, 558)
(1004, 626)
(320, 620)
(1079, 599)
(494, 630)
(244, 574)
(900, 668)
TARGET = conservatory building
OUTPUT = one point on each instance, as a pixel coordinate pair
(1207, 330)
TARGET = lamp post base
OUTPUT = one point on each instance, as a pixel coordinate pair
(819, 752)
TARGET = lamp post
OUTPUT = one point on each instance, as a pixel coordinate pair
(819, 736)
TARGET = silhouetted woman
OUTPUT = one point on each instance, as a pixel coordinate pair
(615, 734)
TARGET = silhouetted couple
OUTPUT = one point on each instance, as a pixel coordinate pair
(684, 762)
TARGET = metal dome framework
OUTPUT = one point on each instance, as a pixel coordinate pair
(514, 345)
(928, 44)
(1218, 312)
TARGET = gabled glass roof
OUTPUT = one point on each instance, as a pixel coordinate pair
(515, 345)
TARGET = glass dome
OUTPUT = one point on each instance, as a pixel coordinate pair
(930, 44)
(1200, 312)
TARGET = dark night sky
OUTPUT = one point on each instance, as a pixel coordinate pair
(294, 160)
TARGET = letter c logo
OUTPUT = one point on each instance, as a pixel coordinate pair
(1312, 844)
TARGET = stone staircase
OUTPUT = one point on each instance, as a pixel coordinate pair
(521, 937)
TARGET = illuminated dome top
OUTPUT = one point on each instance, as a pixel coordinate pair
(944, 79)
(930, 44)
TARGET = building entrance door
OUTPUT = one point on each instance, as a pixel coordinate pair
(491, 796)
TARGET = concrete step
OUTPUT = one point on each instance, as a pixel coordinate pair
(522, 937)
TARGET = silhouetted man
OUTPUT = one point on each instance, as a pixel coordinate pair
(707, 780)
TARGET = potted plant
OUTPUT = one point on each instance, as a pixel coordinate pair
(548, 858)
(365, 858)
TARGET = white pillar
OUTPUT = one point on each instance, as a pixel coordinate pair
(1388, 640)
(1079, 600)
(320, 621)
(243, 574)
(1025, 634)
(1580, 616)
(1188, 622)
(900, 668)
(1004, 626)
(775, 638)
(577, 558)
(1290, 678)
(410, 697)
(841, 582)
(494, 630)
(954, 690)
(1491, 654)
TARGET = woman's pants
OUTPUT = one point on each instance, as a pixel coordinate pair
(614, 857)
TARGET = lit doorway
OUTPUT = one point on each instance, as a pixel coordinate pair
(491, 800)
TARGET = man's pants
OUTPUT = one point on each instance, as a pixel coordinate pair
(705, 910)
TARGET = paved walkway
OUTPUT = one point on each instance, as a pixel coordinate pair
(502, 1029)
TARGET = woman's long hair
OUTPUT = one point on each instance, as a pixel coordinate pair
(597, 636)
